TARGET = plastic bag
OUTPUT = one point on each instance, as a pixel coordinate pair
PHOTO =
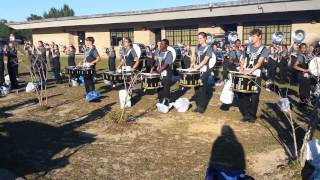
(163, 108)
(92, 96)
(227, 94)
(81, 80)
(4, 90)
(284, 104)
(313, 155)
(7, 80)
(74, 82)
(30, 87)
(182, 104)
(125, 99)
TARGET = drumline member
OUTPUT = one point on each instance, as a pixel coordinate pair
(272, 63)
(1, 67)
(111, 59)
(40, 64)
(283, 64)
(301, 66)
(252, 60)
(49, 48)
(71, 53)
(129, 56)
(163, 66)
(149, 63)
(92, 57)
(203, 52)
(12, 53)
(235, 56)
(186, 57)
(56, 63)
(293, 51)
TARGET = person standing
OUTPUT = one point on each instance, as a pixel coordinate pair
(92, 57)
(112, 59)
(1, 66)
(163, 66)
(301, 66)
(203, 52)
(12, 64)
(283, 64)
(56, 63)
(71, 53)
(251, 63)
(186, 57)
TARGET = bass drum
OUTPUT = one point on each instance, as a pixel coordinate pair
(173, 51)
(140, 50)
(314, 66)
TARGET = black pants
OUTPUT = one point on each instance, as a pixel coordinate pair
(283, 66)
(304, 87)
(112, 64)
(202, 92)
(12, 75)
(51, 64)
(1, 72)
(225, 69)
(164, 92)
(185, 63)
(272, 70)
(249, 102)
(56, 69)
(17, 70)
(89, 84)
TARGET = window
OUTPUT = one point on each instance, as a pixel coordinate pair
(182, 35)
(268, 28)
(117, 35)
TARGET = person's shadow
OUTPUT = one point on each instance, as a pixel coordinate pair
(227, 156)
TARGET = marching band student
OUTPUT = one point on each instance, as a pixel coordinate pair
(40, 62)
(272, 66)
(186, 57)
(283, 64)
(111, 59)
(203, 52)
(11, 53)
(56, 63)
(235, 55)
(71, 53)
(92, 57)
(1, 66)
(163, 66)
(149, 62)
(251, 62)
(301, 65)
(293, 51)
(129, 56)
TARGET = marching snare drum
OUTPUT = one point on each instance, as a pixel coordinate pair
(151, 81)
(116, 77)
(71, 70)
(314, 66)
(189, 78)
(243, 83)
(86, 71)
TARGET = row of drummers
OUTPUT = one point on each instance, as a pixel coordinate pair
(158, 68)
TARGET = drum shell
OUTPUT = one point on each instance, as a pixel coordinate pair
(190, 79)
(245, 83)
(151, 82)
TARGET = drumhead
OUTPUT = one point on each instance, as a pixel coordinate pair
(187, 70)
(150, 74)
(314, 66)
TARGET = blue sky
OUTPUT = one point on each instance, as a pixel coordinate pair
(17, 10)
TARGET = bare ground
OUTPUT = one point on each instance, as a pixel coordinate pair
(78, 140)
